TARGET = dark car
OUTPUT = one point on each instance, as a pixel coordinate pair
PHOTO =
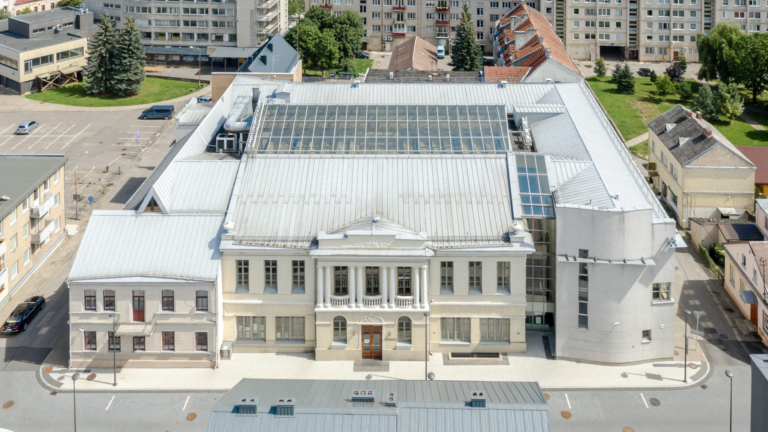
(22, 315)
(488, 61)
(158, 112)
(644, 72)
(363, 55)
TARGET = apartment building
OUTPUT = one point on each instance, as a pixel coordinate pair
(697, 172)
(31, 216)
(175, 31)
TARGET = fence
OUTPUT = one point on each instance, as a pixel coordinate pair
(704, 252)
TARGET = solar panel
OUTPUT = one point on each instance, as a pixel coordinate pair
(532, 177)
(403, 129)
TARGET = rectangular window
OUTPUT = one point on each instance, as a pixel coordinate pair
(90, 340)
(502, 276)
(475, 276)
(454, 329)
(25, 230)
(109, 300)
(114, 342)
(168, 303)
(201, 341)
(340, 330)
(251, 328)
(583, 296)
(13, 243)
(646, 336)
(14, 269)
(201, 301)
(289, 329)
(494, 329)
(662, 291)
(446, 277)
(138, 343)
(168, 341)
(69, 54)
(340, 280)
(372, 278)
(404, 281)
(90, 300)
(242, 275)
(270, 276)
(56, 200)
(298, 277)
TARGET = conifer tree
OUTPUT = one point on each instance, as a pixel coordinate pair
(128, 72)
(625, 81)
(705, 102)
(466, 54)
(600, 68)
(101, 53)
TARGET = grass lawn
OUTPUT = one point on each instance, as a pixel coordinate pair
(631, 113)
(360, 65)
(153, 90)
(640, 150)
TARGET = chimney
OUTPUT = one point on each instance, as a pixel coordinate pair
(698, 115)
(688, 113)
(708, 132)
(547, 51)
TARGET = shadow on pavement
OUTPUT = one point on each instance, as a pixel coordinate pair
(126, 192)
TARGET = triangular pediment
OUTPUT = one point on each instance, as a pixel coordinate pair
(374, 224)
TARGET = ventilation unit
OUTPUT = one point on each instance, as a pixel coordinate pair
(477, 399)
(362, 396)
(391, 399)
(285, 407)
(247, 406)
(225, 143)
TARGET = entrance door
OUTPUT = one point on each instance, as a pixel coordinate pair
(753, 314)
(371, 338)
(138, 305)
(675, 55)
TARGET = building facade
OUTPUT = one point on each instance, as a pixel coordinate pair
(31, 216)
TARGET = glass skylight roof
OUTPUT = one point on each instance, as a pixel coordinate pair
(312, 129)
(534, 186)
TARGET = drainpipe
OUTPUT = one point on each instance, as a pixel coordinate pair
(216, 326)
(69, 336)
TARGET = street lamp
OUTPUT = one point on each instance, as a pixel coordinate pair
(77, 214)
(426, 346)
(729, 374)
(74, 395)
(114, 347)
(685, 360)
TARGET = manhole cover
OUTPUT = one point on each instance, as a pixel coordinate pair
(546, 396)
(566, 414)
(191, 416)
(91, 377)
(704, 386)
(723, 336)
(627, 429)
(8, 404)
(48, 369)
(654, 402)
(692, 365)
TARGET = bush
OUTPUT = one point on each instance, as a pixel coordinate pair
(717, 253)
(654, 77)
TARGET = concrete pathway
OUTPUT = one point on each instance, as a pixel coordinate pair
(752, 122)
(636, 140)
(380, 59)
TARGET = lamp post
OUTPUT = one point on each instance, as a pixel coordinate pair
(77, 213)
(426, 346)
(685, 358)
(114, 348)
(74, 395)
(729, 374)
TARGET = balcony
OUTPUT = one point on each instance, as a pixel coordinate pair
(398, 7)
(398, 35)
(443, 6)
(339, 301)
(39, 211)
(267, 4)
(404, 301)
(268, 17)
(371, 301)
(442, 35)
(270, 29)
(43, 235)
(326, 7)
(442, 21)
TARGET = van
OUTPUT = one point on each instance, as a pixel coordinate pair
(204, 99)
(440, 52)
(158, 112)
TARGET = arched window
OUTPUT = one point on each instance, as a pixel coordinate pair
(340, 330)
(404, 330)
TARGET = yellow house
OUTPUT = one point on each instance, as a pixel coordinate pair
(696, 170)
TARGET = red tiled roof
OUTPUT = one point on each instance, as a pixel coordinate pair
(18, 2)
(759, 157)
(496, 74)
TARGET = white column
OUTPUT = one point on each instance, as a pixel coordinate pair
(360, 284)
(319, 283)
(392, 286)
(383, 286)
(415, 286)
(328, 287)
(351, 286)
(424, 287)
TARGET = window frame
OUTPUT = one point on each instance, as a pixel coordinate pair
(143, 343)
(446, 277)
(270, 276)
(256, 325)
(404, 331)
(339, 326)
(108, 299)
(295, 327)
(243, 278)
(494, 330)
(475, 277)
(89, 297)
(198, 337)
(165, 297)
(198, 298)
(114, 342)
(455, 330)
(89, 341)
(299, 273)
(168, 341)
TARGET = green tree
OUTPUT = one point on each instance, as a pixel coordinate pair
(128, 72)
(712, 47)
(26, 10)
(729, 102)
(654, 77)
(600, 70)
(466, 54)
(69, 3)
(348, 30)
(322, 18)
(748, 61)
(675, 72)
(685, 90)
(626, 81)
(101, 57)
(664, 86)
(706, 103)
(4, 14)
(682, 62)
(327, 51)
(303, 37)
(616, 73)
(295, 7)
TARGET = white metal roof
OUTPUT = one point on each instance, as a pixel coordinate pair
(120, 244)
(196, 186)
(557, 135)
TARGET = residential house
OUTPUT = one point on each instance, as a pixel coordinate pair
(695, 170)
(414, 54)
(759, 157)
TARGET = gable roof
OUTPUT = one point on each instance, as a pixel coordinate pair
(513, 74)
(275, 56)
(759, 157)
(415, 53)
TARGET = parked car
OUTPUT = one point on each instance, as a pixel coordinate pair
(363, 55)
(26, 127)
(22, 315)
(488, 62)
(644, 72)
(158, 112)
(204, 99)
(440, 52)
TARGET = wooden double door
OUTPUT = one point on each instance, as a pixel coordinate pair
(370, 337)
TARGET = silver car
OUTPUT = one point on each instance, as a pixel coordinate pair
(26, 127)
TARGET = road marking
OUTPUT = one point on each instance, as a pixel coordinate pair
(134, 138)
(185, 404)
(57, 138)
(6, 129)
(91, 170)
(114, 160)
(146, 126)
(44, 136)
(110, 403)
(568, 400)
(73, 138)
(28, 136)
(9, 138)
(644, 401)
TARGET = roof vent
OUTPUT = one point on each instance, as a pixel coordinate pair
(669, 127)
(503, 84)
(708, 132)
(362, 396)
(682, 140)
(247, 406)
(269, 46)
(263, 59)
(477, 399)
(391, 399)
(549, 80)
(547, 50)
(285, 407)
(356, 83)
(5, 198)
(391, 75)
